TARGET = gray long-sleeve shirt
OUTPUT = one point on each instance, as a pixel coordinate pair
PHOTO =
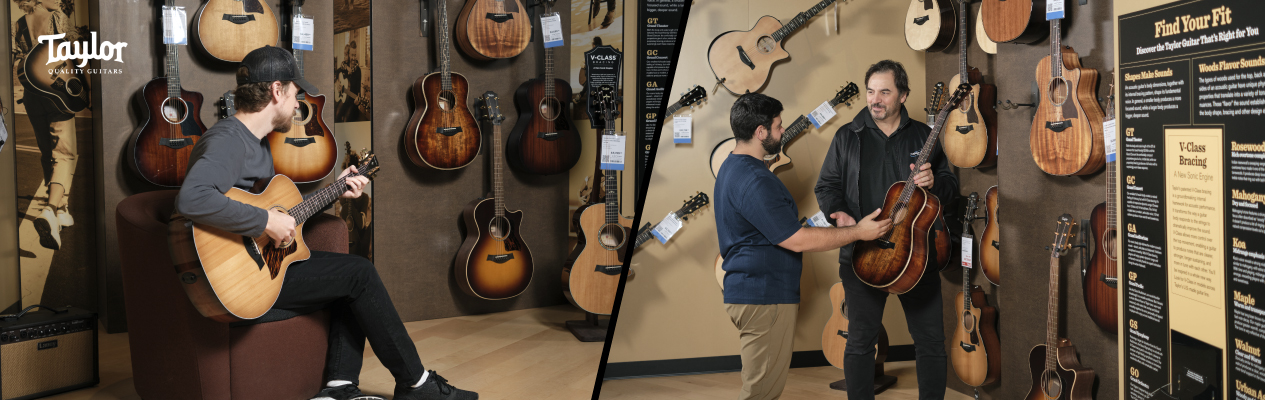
(226, 156)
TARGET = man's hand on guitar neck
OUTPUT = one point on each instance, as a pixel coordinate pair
(280, 228)
(355, 184)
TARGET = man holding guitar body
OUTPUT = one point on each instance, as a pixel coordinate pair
(865, 158)
(761, 240)
(233, 153)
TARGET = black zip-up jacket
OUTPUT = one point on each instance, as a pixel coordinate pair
(838, 186)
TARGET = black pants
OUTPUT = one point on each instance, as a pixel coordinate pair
(923, 314)
(359, 308)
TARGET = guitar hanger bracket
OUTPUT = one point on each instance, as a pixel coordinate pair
(1084, 239)
(425, 20)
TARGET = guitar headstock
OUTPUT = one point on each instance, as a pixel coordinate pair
(937, 96)
(972, 204)
(1110, 109)
(491, 109)
(1063, 233)
(368, 164)
(694, 95)
(693, 204)
(226, 106)
(609, 105)
(845, 94)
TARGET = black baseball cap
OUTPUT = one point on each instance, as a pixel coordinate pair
(268, 63)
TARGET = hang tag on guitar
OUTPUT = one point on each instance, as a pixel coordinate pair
(1109, 136)
(821, 115)
(302, 38)
(682, 129)
(819, 220)
(1054, 9)
(613, 152)
(966, 252)
(174, 31)
(666, 228)
(551, 26)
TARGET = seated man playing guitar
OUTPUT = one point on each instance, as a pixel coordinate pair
(233, 153)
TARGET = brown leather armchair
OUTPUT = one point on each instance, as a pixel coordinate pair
(179, 354)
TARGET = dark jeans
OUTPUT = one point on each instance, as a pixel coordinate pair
(923, 314)
(359, 308)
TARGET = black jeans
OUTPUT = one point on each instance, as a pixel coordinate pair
(359, 308)
(925, 319)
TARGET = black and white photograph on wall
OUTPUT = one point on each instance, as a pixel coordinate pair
(52, 137)
(351, 14)
(352, 99)
(353, 106)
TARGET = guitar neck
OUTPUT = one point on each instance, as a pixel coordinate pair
(498, 189)
(317, 201)
(444, 61)
(612, 190)
(1056, 48)
(1052, 319)
(672, 109)
(962, 47)
(799, 20)
(298, 54)
(549, 86)
(172, 65)
(643, 234)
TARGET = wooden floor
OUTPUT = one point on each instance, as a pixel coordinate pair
(803, 383)
(524, 354)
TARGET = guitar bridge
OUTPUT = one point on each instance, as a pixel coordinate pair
(500, 258)
(1058, 126)
(921, 20)
(968, 347)
(1109, 280)
(448, 131)
(742, 55)
(299, 142)
(965, 129)
(174, 144)
(238, 19)
(884, 244)
(996, 245)
(252, 248)
(550, 136)
(842, 334)
(499, 17)
(610, 269)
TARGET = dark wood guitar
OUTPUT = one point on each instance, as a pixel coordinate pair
(1099, 282)
(230, 29)
(543, 141)
(976, 352)
(896, 262)
(930, 24)
(1066, 134)
(989, 257)
(62, 81)
(971, 141)
(233, 278)
(694, 203)
(590, 277)
(160, 149)
(442, 133)
(741, 60)
(1014, 21)
(494, 262)
(491, 29)
(722, 150)
(1056, 371)
(308, 152)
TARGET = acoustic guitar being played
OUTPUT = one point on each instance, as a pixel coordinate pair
(1066, 136)
(442, 132)
(741, 60)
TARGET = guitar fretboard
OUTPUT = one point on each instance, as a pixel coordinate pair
(298, 54)
(444, 61)
(925, 153)
(799, 20)
(172, 64)
(317, 201)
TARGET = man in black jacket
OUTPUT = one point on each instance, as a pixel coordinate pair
(875, 150)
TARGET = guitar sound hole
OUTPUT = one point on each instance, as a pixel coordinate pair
(549, 108)
(174, 110)
(1051, 384)
(1058, 91)
(303, 113)
(899, 216)
(765, 45)
(968, 321)
(1109, 244)
(499, 228)
(447, 101)
(611, 236)
(965, 105)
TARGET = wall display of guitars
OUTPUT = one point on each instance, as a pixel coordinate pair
(972, 138)
(492, 29)
(442, 133)
(308, 152)
(544, 141)
(1057, 373)
(930, 24)
(976, 353)
(1014, 21)
(741, 60)
(722, 150)
(229, 29)
(1066, 136)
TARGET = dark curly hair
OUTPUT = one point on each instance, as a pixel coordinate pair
(252, 97)
(897, 70)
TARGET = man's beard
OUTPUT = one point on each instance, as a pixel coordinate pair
(282, 123)
(878, 114)
(771, 146)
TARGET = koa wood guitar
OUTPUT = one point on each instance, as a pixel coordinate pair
(1056, 371)
(159, 151)
(930, 24)
(741, 60)
(1066, 134)
(308, 152)
(976, 352)
(230, 29)
(233, 278)
(543, 141)
(1099, 282)
(590, 277)
(775, 161)
(694, 203)
(442, 133)
(494, 262)
(896, 261)
(834, 337)
(61, 82)
(989, 245)
(491, 29)
(971, 139)
(1014, 21)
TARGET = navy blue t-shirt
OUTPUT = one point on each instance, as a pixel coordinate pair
(755, 212)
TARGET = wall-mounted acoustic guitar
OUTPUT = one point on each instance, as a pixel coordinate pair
(494, 262)
(741, 60)
(929, 25)
(1099, 282)
(590, 277)
(491, 29)
(1066, 134)
(985, 43)
(308, 152)
(61, 82)
(233, 278)
(1014, 21)
(1056, 371)
(160, 149)
(688, 99)
(230, 29)
(971, 141)
(722, 150)
(989, 247)
(694, 203)
(442, 133)
(976, 352)
(543, 141)
(896, 261)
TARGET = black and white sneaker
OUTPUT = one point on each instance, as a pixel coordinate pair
(345, 392)
(435, 388)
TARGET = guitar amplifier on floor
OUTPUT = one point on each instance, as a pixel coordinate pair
(47, 351)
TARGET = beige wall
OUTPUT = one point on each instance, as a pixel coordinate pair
(673, 307)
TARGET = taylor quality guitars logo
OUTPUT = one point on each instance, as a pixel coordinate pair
(83, 51)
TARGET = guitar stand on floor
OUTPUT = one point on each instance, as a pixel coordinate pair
(882, 381)
(591, 329)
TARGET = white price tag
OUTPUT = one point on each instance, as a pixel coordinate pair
(613, 152)
(302, 39)
(819, 220)
(823, 113)
(1109, 136)
(966, 252)
(174, 31)
(682, 129)
(1054, 9)
(666, 228)
(551, 27)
